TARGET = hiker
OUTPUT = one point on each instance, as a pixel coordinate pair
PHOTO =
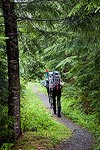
(55, 87)
(56, 93)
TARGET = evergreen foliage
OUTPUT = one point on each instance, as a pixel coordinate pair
(58, 35)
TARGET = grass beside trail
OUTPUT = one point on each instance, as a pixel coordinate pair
(40, 130)
(71, 108)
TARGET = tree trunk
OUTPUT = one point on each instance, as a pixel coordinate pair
(13, 66)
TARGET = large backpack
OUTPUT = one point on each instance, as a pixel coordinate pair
(54, 80)
(51, 80)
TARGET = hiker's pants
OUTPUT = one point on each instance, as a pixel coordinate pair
(56, 96)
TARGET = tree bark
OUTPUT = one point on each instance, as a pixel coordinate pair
(13, 66)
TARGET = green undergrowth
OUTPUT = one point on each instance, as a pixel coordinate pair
(39, 128)
(71, 108)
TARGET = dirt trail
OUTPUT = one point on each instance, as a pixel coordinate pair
(81, 139)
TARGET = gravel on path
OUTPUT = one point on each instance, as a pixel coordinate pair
(81, 138)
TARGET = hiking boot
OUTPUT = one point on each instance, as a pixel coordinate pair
(59, 115)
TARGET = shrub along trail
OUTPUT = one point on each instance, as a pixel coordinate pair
(81, 139)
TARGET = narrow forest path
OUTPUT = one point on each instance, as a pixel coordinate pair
(81, 139)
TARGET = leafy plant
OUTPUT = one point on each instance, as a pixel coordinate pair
(6, 146)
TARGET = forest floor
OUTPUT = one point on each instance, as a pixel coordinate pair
(81, 138)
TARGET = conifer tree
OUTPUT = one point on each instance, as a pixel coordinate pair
(13, 67)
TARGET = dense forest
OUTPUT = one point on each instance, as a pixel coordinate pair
(36, 35)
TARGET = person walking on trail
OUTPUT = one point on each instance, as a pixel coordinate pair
(54, 87)
(56, 93)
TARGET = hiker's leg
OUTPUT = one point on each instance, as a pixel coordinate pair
(59, 104)
(50, 98)
(48, 91)
(54, 103)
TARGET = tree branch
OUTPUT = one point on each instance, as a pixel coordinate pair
(52, 32)
(39, 19)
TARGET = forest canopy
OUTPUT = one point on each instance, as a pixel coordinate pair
(55, 35)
